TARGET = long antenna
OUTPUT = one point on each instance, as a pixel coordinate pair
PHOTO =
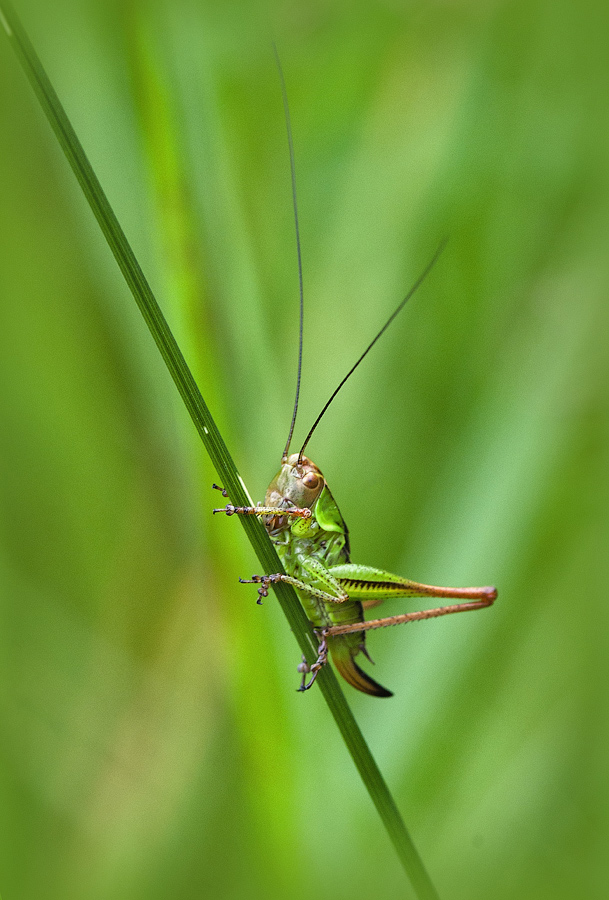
(288, 124)
(403, 303)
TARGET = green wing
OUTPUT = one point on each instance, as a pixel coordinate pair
(327, 512)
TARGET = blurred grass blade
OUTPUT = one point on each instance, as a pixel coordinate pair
(215, 445)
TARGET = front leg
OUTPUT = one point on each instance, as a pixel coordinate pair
(231, 510)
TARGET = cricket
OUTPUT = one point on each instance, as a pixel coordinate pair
(304, 523)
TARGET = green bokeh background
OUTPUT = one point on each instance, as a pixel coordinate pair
(153, 744)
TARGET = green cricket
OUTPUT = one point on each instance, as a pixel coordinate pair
(304, 523)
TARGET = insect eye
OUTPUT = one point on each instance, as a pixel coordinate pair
(311, 480)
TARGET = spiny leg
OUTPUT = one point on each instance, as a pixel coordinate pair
(231, 510)
(322, 658)
(266, 580)
(485, 597)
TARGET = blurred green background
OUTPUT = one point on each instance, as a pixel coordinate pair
(153, 744)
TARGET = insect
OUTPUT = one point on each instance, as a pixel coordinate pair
(312, 539)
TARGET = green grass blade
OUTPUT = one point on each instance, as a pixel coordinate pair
(215, 446)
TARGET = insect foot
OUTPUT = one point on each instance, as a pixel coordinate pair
(264, 581)
(322, 658)
(228, 509)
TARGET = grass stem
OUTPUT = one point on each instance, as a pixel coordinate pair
(215, 446)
